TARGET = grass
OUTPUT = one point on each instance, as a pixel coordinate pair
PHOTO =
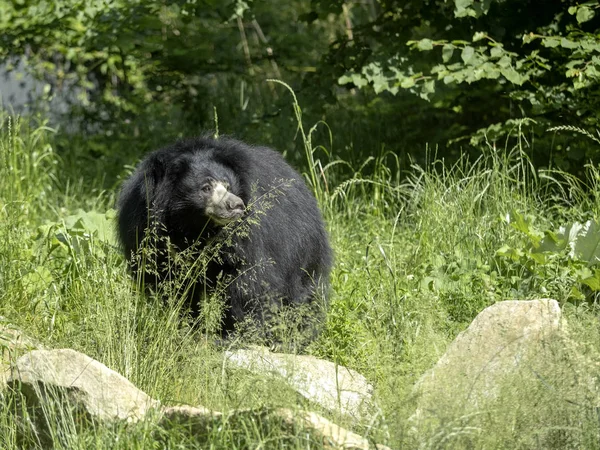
(416, 260)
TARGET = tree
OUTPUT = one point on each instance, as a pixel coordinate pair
(150, 70)
(483, 63)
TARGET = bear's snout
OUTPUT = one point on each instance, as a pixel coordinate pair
(234, 203)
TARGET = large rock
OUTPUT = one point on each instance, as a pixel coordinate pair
(503, 340)
(91, 388)
(82, 390)
(330, 435)
(331, 386)
(13, 343)
(200, 421)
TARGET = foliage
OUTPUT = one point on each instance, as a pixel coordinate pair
(484, 63)
(570, 254)
(128, 54)
(137, 74)
(27, 185)
(416, 261)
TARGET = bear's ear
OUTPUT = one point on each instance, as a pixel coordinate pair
(153, 172)
(178, 166)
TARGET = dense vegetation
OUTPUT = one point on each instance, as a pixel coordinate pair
(403, 73)
(424, 239)
(432, 250)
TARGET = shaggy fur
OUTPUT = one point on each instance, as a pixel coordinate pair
(282, 258)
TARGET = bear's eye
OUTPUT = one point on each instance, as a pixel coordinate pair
(206, 188)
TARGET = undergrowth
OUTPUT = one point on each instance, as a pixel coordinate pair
(419, 252)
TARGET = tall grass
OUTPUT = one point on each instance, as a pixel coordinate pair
(316, 172)
(27, 192)
(416, 260)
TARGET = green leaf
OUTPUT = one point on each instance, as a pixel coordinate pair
(76, 25)
(505, 61)
(449, 79)
(590, 45)
(512, 75)
(380, 83)
(496, 52)
(509, 252)
(587, 243)
(584, 14)
(576, 294)
(407, 82)
(427, 88)
(37, 280)
(467, 54)
(425, 44)
(551, 42)
(90, 223)
(567, 43)
(491, 71)
(518, 222)
(479, 35)
(592, 282)
(539, 258)
(345, 79)
(470, 8)
(447, 52)
(581, 240)
(462, 8)
(358, 80)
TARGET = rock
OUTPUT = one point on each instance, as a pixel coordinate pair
(331, 435)
(499, 343)
(200, 421)
(66, 381)
(325, 432)
(91, 388)
(13, 343)
(335, 388)
(188, 412)
(197, 419)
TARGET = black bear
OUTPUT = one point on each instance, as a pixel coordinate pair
(273, 249)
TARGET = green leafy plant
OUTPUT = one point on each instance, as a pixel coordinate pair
(571, 254)
(479, 65)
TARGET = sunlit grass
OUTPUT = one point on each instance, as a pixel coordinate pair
(415, 261)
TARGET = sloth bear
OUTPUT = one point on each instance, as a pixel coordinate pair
(267, 240)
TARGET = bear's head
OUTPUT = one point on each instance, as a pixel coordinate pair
(199, 184)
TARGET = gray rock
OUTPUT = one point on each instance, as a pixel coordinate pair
(501, 341)
(90, 387)
(331, 386)
(88, 390)
(331, 435)
(199, 421)
(186, 412)
(13, 343)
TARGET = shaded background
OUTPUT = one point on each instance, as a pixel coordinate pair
(418, 79)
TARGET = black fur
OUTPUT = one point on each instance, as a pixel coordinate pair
(283, 258)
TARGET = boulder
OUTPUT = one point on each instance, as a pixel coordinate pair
(197, 419)
(67, 380)
(13, 343)
(200, 421)
(91, 388)
(329, 385)
(503, 340)
(329, 434)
